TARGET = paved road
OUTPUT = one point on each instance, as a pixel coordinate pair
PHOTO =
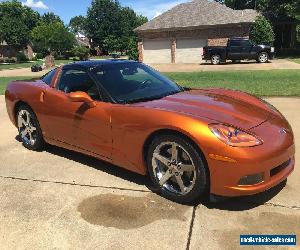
(58, 199)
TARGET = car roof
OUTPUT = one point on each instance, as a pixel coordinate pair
(239, 38)
(95, 63)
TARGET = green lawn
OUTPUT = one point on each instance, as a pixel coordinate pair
(15, 65)
(261, 83)
(296, 60)
(5, 80)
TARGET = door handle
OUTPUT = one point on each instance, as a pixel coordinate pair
(42, 95)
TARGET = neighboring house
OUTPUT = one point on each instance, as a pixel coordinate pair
(179, 35)
(9, 51)
(82, 40)
(6, 50)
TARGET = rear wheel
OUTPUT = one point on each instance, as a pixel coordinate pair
(215, 59)
(29, 129)
(176, 169)
(263, 57)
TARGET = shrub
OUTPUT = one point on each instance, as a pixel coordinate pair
(39, 56)
(262, 32)
(59, 57)
(133, 53)
(21, 57)
(8, 60)
(82, 52)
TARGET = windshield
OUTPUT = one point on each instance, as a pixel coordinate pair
(134, 82)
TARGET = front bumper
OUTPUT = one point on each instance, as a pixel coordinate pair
(271, 55)
(274, 159)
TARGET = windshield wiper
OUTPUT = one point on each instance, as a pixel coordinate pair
(152, 98)
(145, 99)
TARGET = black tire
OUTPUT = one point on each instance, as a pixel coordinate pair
(215, 59)
(200, 186)
(263, 57)
(38, 143)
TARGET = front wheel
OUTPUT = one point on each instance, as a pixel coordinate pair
(263, 57)
(177, 169)
(215, 59)
(29, 129)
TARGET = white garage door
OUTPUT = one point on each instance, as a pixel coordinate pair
(189, 50)
(157, 51)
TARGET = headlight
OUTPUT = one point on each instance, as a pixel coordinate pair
(233, 136)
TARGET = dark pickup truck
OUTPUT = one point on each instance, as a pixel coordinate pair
(238, 49)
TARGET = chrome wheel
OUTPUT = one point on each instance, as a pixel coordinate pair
(215, 59)
(27, 130)
(263, 57)
(173, 168)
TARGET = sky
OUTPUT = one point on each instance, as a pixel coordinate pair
(67, 9)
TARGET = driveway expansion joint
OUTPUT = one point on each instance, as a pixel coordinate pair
(191, 228)
(73, 184)
(138, 190)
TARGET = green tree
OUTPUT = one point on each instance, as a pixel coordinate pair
(52, 38)
(50, 17)
(289, 8)
(111, 26)
(77, 24)
(16, 22)
(261, 31)
(103, 19)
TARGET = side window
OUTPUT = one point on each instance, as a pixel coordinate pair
(235, 43)
(77, 80)
(48, 77)
(246, 43)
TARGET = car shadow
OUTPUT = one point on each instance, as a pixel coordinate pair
(229, 204)
(245, 202)
(97, 164)
(233, 63)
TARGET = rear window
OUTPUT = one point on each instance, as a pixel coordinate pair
(48, 77)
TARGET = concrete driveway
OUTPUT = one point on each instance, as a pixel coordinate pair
(244, 65)
(58, 199)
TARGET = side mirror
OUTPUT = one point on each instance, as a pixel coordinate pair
(80, 96)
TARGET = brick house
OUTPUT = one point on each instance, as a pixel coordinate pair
(9, 51)
(179, 35)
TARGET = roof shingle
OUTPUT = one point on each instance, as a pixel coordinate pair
(196, 14)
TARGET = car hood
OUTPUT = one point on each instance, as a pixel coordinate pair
(230, 107)
(264, 46)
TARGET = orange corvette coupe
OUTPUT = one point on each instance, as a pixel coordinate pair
(189, 141)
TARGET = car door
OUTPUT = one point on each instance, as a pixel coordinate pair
(246, 49)
(76, 123)
(234, 50)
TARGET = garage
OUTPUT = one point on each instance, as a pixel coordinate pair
(188, 27)
(157, 51)
(189, 50)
